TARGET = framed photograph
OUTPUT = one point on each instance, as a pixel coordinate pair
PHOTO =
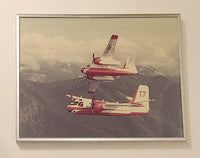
(99, 78)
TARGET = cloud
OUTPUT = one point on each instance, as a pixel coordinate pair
(152, 53)
(36, 48)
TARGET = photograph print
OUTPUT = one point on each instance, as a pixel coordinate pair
(99, 78)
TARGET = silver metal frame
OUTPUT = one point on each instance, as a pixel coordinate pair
(150, 139)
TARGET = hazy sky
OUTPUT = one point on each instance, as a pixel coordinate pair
(152, 41)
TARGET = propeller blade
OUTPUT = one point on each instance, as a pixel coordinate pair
(92, 104)
(93, 58)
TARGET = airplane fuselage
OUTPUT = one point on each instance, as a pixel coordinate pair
(105, 71)
(109, 109)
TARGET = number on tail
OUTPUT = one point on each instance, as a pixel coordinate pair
(142, 93)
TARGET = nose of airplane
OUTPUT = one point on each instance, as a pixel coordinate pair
(68, 109)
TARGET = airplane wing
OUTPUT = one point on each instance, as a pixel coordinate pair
(72, 96)
(109, 51)
(94, 84)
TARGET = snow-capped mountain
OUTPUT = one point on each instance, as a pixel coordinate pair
(51, 73)
(63, 71)
(43, 114)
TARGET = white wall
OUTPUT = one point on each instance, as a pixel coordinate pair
(190, 12)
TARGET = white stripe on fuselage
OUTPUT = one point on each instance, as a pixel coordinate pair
(115, 112)
(107, 67)
(125, 107)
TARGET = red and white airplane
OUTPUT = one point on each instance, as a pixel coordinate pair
(138, 105)
(102, 68)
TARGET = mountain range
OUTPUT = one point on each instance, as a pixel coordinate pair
(43, 114)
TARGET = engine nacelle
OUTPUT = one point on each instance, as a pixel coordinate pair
(105, 61)
(97, 61)
(98, 106)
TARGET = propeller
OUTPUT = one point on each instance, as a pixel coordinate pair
(92, 103)
(71, 98)
(85, 77)
(93, 58)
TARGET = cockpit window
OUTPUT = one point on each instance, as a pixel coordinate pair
(80, 104)
(74, 103)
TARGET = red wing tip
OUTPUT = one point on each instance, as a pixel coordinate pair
(114, 36)
(90, 92)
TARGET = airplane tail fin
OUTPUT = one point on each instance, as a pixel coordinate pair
(141, 97)
(130, 64)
